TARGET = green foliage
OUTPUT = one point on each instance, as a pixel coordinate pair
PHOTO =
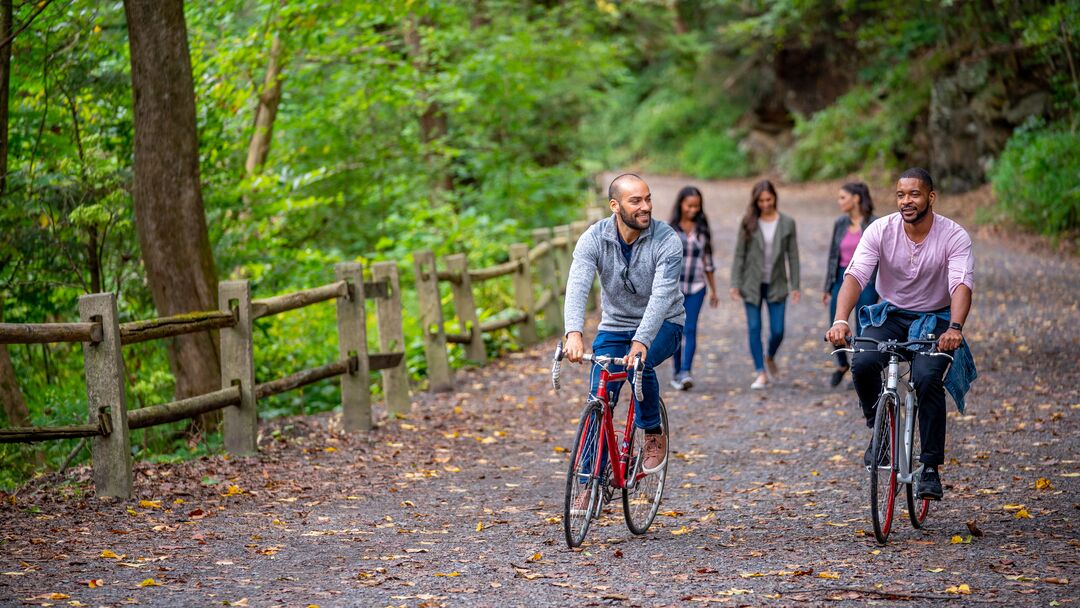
(1035, 179)
(867, 127)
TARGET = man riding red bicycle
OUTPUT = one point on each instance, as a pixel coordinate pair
(925, 269)
(638, 262)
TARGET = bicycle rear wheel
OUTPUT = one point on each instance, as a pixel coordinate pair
(917, 508)
(581, 478)
(641, 497)
(883, 476)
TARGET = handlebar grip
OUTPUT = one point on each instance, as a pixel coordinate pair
(556, 367)
(639, 369)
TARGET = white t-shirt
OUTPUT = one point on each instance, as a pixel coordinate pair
(768, 230)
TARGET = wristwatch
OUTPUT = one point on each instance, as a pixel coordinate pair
(956, 326)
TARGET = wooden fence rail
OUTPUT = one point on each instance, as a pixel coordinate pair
(548, 259)
(102, 337)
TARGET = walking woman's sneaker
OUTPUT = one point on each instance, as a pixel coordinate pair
(930, 484)
(759, 382)
(687, 382)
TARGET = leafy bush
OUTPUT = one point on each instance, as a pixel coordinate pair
(864, 128)
(712, 154)
(1035, 180)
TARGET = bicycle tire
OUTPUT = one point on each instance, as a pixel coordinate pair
(917, 508)
(641, 500)
(587, 448)
(883, 479)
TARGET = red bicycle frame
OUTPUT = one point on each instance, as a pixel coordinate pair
(609, 443)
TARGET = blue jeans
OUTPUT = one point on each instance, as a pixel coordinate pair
(647, 415)
(776, 327)
(868, 297)
(617, 344)
(684, 351)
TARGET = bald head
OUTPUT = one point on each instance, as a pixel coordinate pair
(620, 184)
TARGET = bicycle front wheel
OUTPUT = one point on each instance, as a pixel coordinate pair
(882, 467)
(581, 477)
(641, 496)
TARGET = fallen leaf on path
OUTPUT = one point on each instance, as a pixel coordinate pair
(1056, 580)
(829, 575)
(110, 555)
(448, 574)
(1022, 514)
(681, 530)
(1043, 483)
(974, 528)
(233, 491)
(149, 583)
(94, 583)
(963, 589)
(150, 504)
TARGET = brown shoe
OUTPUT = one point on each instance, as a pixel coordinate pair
(771, 366)
(655, 453)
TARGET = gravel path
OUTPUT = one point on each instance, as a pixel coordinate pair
(766, 504)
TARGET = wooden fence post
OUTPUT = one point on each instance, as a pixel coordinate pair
(431, 322)
(548, 267)
(523, 293)
(392, 338)
(352, 342)
(465, 308)
(105, 381)
(238, 367)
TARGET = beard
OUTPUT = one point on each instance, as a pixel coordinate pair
(631, 222)
(918, 216)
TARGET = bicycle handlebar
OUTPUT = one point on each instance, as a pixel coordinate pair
(892, 346)
(638, 367)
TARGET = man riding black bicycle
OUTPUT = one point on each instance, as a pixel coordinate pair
(638, 261)
(925, 269)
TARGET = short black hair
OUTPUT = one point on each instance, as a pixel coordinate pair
(920, 174)
(615, 189)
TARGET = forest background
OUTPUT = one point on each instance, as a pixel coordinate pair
(332, 130)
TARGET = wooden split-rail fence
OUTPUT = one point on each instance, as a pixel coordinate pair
(102, 336)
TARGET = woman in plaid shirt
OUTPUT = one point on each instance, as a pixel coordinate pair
(692, 226)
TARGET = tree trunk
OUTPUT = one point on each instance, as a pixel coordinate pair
(433, 120)
(169, 215)
(269, 100)
(6, 16)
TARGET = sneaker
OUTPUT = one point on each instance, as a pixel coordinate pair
(687, 382)
(837, 376)
(930, 484)
(676, 384)
(868, 456)
(581, 503)
(770, 365)
(761, 382)
(655, 453)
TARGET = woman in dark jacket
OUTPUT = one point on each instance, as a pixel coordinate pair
(858, 208)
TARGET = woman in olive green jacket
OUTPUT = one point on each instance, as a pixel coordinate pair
(758, 272)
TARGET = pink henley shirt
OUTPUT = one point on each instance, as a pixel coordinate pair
(918, 277)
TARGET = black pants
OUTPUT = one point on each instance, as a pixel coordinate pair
(927, 374)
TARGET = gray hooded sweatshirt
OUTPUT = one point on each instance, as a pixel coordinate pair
(655, 263)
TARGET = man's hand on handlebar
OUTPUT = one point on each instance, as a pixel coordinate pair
(636, 349)
(950, 341)
(574, 348)
(838, 334)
